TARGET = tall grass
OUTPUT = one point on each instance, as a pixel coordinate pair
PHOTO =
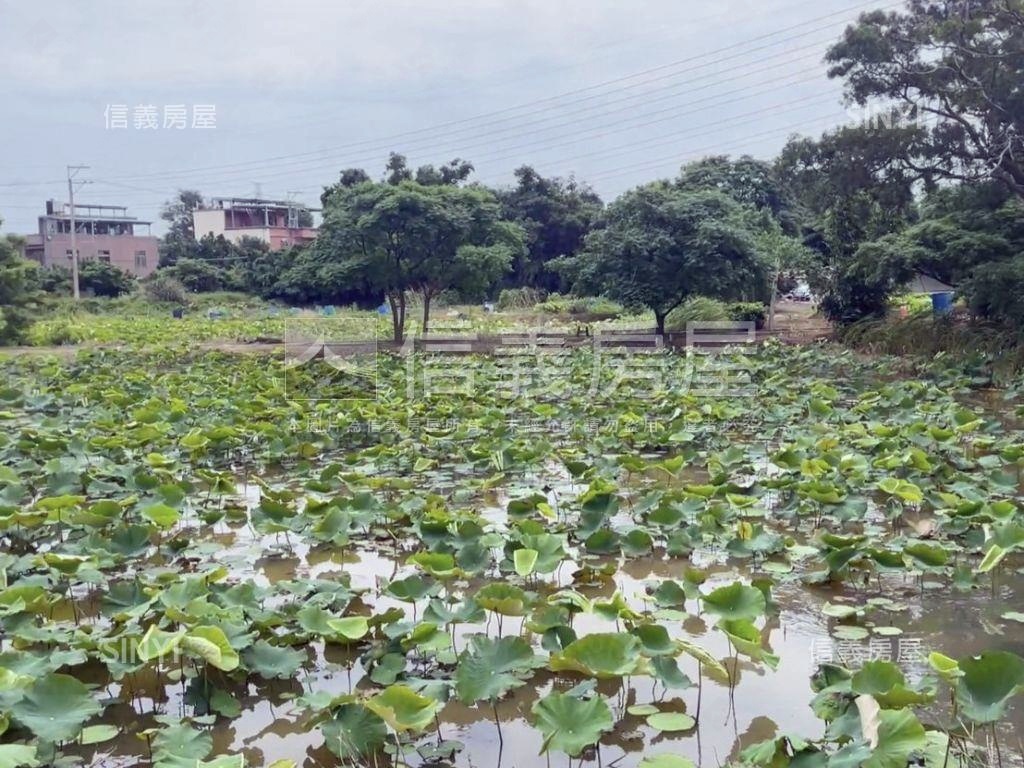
(994, 350)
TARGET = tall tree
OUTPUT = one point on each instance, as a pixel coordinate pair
(751, 182)
(410, 237)
(847, 189)
(180, 240)
(451, 173)
(556, 215)
(954, 67)
(658, 245)
(18, 292)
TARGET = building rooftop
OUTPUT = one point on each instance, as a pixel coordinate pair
(92, 211)
(254, 202)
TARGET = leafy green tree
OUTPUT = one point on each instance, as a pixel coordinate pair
(954, 68)
(198, 276)
(397, 169)
(750, 182)
(967, 236)
(556, 215)
(781, 253)
(18, 292)
(452, 173)
(104, 279)
(658, 245)
(410, 237)
(180, 240)
(847, 189)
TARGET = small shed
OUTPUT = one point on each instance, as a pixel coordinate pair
(940, 292)
(922, 284)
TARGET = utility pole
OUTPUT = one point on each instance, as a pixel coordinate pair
(72, 172)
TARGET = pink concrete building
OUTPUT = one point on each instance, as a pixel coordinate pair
(278, 223)
(102, 233)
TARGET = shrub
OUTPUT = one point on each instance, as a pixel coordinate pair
(696, 309)
(520, 298)
(199, 276)
(748, 311)
(104, 279)
(163, 287)
(595, 307)
(55, 280)
(55, 333)
(995, 291)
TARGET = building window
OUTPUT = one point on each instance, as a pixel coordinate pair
(69, 254)
(104, 256)
(140, 259)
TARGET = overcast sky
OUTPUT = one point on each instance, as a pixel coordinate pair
(616, 93)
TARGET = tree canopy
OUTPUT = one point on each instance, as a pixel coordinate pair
(658, 245)
(954, 69)
(17, 292)
(397, 238)
(556, 215)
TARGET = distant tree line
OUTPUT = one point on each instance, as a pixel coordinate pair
(931, 181)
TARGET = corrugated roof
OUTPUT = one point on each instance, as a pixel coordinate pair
(926, 284)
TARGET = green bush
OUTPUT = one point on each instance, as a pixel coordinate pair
(748, 311)
(55, 333)
(597, 307)
(995, 291)
(163, 287)
(104, 279)
(696, 309)
(520, 298)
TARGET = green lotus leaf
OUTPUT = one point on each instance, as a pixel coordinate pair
(411, 589)
(931, 555)
(402, 708)
(702, 655)
(601, 654)
(987, 683)
(211, 644)
(349, 627)
(354, 732)
(180, 744)
(642, 710)
(735, 601)
(671, 721)
(158, 643)
(524, 561)
(993, 556)
(439, 564)
(18, 756)
(670, 594)
(902, 489)
(161, 515)
(55, 707)
(896, 735)
(839, 611)
(885, 682)
(505, 599)
(273, 661)
(96, 734)
(571, 724)
(747, 640)
(666, 760)
(655, 640)
(666, 670)
(489, 668)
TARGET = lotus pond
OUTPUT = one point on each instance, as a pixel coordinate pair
(770, 556)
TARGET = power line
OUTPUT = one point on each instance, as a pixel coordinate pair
(385, 141)
(545, 145)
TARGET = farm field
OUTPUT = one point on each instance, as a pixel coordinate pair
(632, 560)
